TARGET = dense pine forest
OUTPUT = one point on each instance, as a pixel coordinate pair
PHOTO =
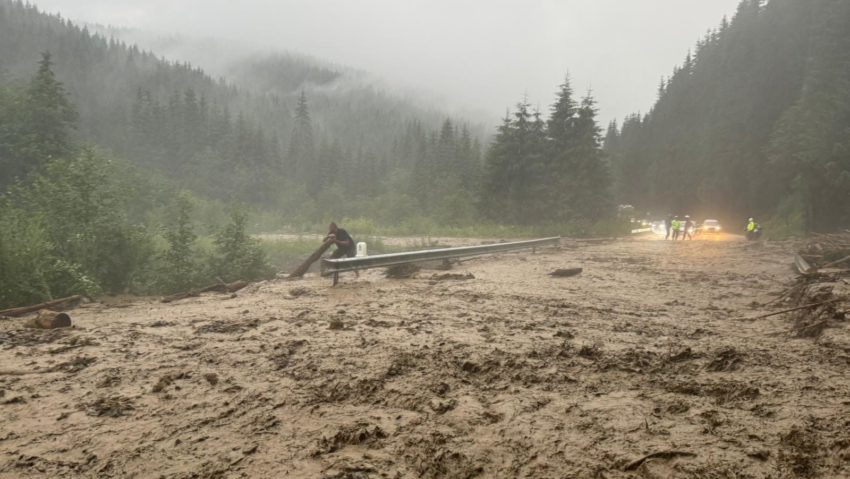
(755, 121)
(239, 140)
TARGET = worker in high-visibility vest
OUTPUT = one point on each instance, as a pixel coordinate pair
(751, 228)
(674, 227)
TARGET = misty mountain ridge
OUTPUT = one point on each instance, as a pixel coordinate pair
(284, 73)
(256, 69)
(227, 138)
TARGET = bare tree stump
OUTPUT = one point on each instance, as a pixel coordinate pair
(47, 319)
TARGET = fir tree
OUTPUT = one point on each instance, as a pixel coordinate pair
(301, 153)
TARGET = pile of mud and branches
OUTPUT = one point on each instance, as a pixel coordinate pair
(828, 252)
(821, 294)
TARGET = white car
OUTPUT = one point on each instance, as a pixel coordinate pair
(711, 226)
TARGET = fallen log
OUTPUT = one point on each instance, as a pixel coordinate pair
(803, 266)
(301, 270)
(57, 304)
(566, 273)
(217, 288)
(47, 319)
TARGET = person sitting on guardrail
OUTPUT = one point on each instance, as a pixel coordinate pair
(345, 245)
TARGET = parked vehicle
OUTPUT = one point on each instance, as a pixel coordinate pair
(711, 226)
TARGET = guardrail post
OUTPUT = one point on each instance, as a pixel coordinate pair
(336, 277)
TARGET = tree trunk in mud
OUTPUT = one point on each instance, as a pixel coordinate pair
(58, 304)
(299, 272)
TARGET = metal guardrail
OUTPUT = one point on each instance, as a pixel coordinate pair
(336, 266)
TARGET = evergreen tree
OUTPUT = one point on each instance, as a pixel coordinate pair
(753, 123)
(179, 269)
(49, 115)
(35, 124)
(494, 199)
(593, 178)
(580, 186)
(301, 153)
(516, 170)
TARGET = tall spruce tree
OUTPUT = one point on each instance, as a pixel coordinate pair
(35, 124)
(580, 183)
(494, 199)
(301, 154)
(50, 117)
(515, 169)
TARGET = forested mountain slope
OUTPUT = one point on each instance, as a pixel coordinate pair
(756, 121)
(240, 139)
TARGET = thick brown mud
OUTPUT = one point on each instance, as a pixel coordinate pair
(644, 365)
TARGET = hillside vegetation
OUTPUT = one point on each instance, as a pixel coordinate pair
(756, 121)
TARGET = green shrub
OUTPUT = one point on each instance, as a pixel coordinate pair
(178, 266)
(238, 256)
(84, 203)
(30, 272)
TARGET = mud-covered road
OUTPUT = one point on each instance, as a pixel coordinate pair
(642, 366)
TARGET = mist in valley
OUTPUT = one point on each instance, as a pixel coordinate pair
(470, 57)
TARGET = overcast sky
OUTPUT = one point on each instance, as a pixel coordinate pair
(475, 55)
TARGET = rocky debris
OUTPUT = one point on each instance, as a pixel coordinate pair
(402, 271)
(75, 365)
(300, 291)
(227, 327)
(211, 378)
(361, 433)
(727, 359)
(112, 406)
(168, 380)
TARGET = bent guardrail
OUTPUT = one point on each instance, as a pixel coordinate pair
(336, 266)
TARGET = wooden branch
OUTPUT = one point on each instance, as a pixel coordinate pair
(777, 313)
(58, 304)
(658, 455)
(299, 271)
(829, 265)
(218, 288)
